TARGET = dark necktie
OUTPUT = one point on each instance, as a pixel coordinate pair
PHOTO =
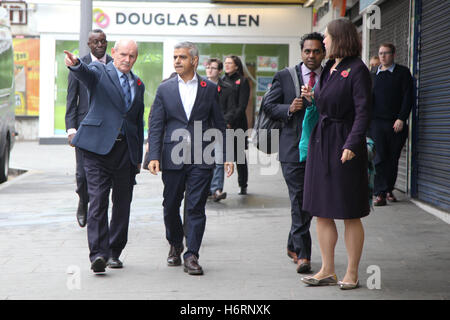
(126, 90)
(312, 79)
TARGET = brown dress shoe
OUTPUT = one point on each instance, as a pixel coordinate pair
(303, 266)
(192, 267)
(379, 201)
(174, 258)
(292, 255)
(390, 197)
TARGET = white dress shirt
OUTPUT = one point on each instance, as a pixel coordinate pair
(188, 93)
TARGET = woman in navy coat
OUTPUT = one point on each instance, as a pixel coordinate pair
(336, 180)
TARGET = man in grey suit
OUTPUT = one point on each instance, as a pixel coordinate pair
(111, 138)
(76, 109)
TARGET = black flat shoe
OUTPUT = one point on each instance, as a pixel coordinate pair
(243, 191)
(82, 213)
(114, 263)
(98, 265)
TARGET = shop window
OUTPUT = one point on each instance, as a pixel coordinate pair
(261, 62)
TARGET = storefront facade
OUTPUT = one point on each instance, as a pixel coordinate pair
(263, 36)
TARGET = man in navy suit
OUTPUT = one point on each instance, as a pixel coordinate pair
(182, 105)
(282, 104)
(111, 139)
(76, 109)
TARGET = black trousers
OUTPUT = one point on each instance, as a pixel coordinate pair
(105, 172)
(196, 182)
(388, 148)
(299, 238)
(80, 175)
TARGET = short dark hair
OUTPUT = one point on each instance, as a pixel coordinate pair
(345, 39)
(96, 31)
(388, 45)
(312, 36)
(219, 63)
(237, 61)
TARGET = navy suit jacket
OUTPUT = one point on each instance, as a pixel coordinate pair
(168, 115)
(278, 101)
(77, 105)
(107, 112)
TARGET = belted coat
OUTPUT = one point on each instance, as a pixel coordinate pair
(343, 99)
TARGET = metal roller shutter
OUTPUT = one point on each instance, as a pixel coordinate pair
(395, 29)
(433, 132)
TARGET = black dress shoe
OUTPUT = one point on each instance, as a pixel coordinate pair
(192, 267)
(98, 265)
(82, 213)
(174, 258)
(114, 263)
(219, 195)
(243, 191)
(303, 266)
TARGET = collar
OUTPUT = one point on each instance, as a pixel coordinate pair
(120, 73)
(305, 70)
(102, 59)
(193, 80)
(391, 68)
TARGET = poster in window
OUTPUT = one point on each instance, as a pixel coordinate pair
(267, 64)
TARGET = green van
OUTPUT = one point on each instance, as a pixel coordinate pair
(7, 94)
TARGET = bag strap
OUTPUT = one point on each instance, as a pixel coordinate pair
(294, 76)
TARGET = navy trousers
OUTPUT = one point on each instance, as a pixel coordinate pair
(80, 176)
(104, 172)
(388, 148)
(196, 183)
(299, 238)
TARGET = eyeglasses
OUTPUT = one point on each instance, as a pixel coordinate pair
(96, 42)
(384, 53)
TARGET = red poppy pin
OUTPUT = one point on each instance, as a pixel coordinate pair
(203, 84)
(345, 73)
(238, 81)
(139, 82)
(219, 88)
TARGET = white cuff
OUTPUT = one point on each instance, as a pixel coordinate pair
(71, 130)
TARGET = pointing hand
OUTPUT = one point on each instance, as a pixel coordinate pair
(71, 59)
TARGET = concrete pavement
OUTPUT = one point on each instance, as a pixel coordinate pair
(44, 254)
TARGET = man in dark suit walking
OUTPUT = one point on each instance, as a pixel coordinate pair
(111, 140)
(76, 109)
(282, 104)
(182, 105)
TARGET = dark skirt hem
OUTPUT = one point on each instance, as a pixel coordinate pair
(339, 217)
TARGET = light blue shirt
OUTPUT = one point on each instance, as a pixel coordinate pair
(391, 68)
(130, 81)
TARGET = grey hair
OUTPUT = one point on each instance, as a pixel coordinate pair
(120, 41)
(193, 50)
